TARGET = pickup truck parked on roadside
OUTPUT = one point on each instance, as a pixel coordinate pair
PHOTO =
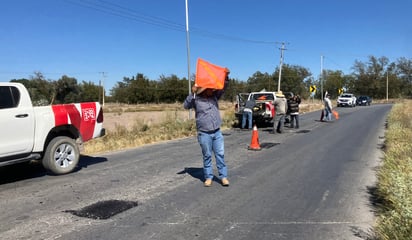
(346, 99)
(264, 110)
(52, 134)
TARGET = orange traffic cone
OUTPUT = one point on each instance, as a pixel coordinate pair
(254, 144)
(336, 114)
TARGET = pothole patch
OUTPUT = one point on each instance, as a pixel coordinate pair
(103, 209)
(267, 145)
(303, 131)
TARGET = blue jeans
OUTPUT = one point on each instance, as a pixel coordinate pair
(278, 123)
(294, 118)
(328, 114)
(212, 143)
(247, 116)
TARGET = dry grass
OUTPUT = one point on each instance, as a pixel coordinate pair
(131, 126)
(395, 176)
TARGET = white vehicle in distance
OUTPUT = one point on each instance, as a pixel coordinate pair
(346, 100)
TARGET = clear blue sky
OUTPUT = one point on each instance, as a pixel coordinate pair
(83, 38)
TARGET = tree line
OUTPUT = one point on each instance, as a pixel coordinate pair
(376, 77)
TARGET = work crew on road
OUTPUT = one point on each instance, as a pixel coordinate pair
(208, 122)
(281, 108)
(293, 110)
(247, 115)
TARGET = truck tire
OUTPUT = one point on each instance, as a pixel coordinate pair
(61, 156)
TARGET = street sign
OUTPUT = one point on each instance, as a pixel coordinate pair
(312, 88)
(340, 91)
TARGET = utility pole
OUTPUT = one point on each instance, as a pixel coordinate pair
(103, 94)
(387, 86)
(321, 78)
(281, 63)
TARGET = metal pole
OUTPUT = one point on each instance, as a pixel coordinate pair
(321, 77)
(188, 53)
(280, 65)
(103, 93)
(387, 86)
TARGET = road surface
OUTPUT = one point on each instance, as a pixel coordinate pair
(309, 183)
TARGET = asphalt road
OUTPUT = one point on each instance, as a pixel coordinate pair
(311, 183)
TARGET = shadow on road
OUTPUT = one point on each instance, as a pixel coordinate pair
(34, 169)
(194, 172)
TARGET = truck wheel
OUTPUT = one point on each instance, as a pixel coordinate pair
(61, 156)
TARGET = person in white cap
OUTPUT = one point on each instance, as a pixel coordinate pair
(281, 109)
(209, 136)
(328, 108)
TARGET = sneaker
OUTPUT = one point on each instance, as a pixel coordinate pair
(208, 182)
(225, 182)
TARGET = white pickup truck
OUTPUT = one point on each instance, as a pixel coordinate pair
(52, 134)
(264, 110)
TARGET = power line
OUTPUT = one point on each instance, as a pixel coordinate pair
(127, 13)
(123, 12)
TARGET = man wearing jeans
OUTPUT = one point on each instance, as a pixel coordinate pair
(247, 115)
(281, 109)
(328, 108)
(209, 136)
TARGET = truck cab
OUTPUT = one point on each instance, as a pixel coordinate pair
(16, 121)
(52, 134)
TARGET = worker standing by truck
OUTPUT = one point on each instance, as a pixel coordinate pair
(281, 108)
(247, 115)
(293, 109)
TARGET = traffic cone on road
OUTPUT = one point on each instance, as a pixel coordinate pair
(254, 144)
(336, 114)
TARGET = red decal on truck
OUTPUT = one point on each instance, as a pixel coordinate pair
(60, 115)
(84, 120)
(88, 120)
(270, 108)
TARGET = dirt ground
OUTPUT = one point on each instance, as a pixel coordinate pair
(128, 115)
(128, 119)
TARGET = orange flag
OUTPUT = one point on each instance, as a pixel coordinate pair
(209, 75)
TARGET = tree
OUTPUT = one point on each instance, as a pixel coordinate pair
(371, 78)
(90, 92)
(404, 72)
(333, 81)
(293, 79)
(172, 89)
(41, 90)
(120, 91)
(67, 90)
(259, 81)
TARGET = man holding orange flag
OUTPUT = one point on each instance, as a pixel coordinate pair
(208, 121)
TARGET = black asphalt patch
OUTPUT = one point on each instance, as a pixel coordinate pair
(268, 145)
(303, 131)
(103, 209)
